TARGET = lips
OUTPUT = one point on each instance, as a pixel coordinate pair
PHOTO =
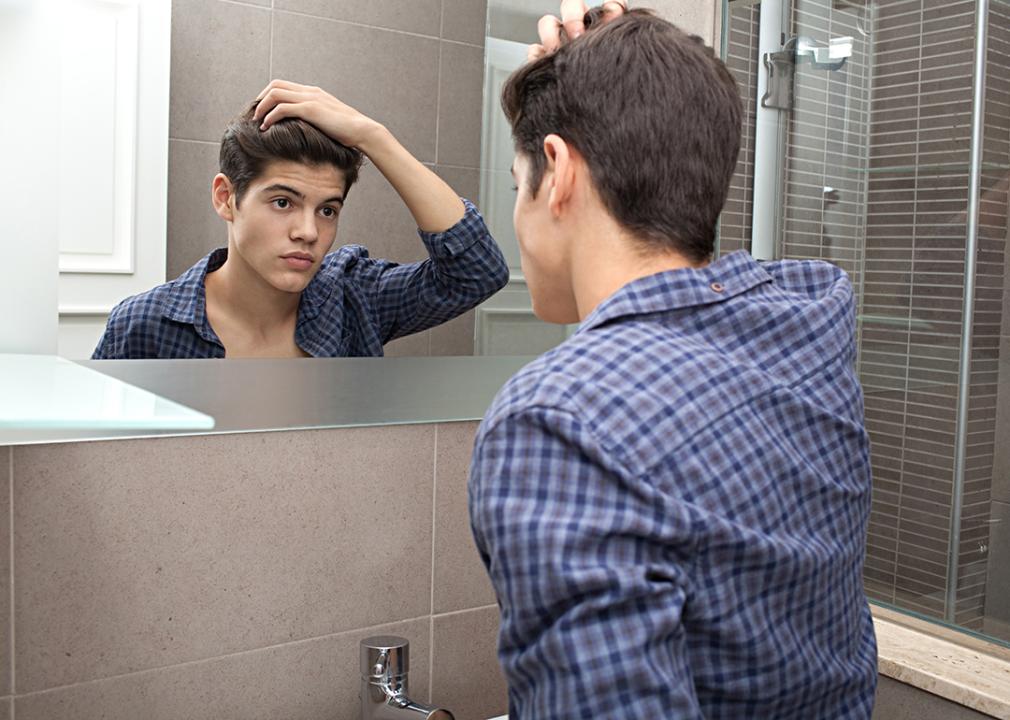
(298, 260)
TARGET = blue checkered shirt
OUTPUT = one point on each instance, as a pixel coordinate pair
(672, 505)
(352, 307)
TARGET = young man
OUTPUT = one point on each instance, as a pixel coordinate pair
(672, 504)
(287, 165)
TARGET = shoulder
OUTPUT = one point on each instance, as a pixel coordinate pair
(638, 394)
(146, 307)
(813, 279)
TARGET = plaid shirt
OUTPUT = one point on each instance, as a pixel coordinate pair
(672, 505)
(352, 307)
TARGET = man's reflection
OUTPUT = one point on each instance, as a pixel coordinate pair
(287, 164)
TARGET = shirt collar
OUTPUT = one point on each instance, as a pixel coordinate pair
(727, 277)
(187, 301)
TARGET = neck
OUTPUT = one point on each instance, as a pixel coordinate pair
(246, 298)
(607, 257)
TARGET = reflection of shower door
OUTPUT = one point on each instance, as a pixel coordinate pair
(505, 324)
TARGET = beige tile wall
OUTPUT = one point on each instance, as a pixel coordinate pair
(233, 576)
(415, 65)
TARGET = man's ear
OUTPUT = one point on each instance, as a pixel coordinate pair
(222, 194)
(559, 174)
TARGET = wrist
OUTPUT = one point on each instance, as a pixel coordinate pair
(374, 138)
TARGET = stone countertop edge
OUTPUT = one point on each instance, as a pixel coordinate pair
(942, 661)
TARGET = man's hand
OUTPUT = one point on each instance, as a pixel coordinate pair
(282, 99)
(572, 12)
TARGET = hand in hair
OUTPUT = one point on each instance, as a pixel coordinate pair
(554, 31)
(282, 99)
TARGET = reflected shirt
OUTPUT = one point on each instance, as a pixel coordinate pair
(352, 307)
(672, 505)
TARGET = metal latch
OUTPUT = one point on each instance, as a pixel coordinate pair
(781, 65)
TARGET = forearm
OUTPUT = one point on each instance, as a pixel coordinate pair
(436, 207)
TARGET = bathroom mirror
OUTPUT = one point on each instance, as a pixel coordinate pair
(134, 206)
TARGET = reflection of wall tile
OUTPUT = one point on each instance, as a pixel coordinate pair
(220, 61)
(317, 678)
(377, 218)
(194, 229)
(390, 76)
(464, 20)
(460, 105)
(174, 558)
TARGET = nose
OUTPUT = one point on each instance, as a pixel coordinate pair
(304, 227)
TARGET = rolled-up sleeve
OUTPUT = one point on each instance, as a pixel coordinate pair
(464, 268)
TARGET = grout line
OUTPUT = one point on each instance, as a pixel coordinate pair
(451, 613)
(434, 499)
(431, 606)
(431, 657)
(246, 4)
(270, 62)
(438, 100)
(365, 631)
(198, 142)
(10, 477)
(375, 27)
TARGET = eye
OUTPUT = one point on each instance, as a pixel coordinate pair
(515, 188)
(281, 203)
(328, 212)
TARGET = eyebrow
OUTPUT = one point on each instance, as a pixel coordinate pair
(298, 194)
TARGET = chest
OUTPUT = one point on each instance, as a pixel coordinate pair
(243, 342)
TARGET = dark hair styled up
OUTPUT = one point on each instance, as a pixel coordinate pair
(655, 114)
(246, 150)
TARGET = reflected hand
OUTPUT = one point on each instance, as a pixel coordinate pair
(571, 21)
(282, 99)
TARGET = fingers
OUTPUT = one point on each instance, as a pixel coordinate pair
(535, 52)
(282, 85)
(549, 29)
(572, 12)
(273, 97)
(278, 113)
(614, 9)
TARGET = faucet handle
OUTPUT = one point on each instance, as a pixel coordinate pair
(384, 656)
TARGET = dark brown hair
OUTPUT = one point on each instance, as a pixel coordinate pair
(246, 150)
(655, 114)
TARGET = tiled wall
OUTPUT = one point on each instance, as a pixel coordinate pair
(233, 576)
(415, 65)
(742, 45)
(902, 109)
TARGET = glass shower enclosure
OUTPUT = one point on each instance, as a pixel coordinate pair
(877, 137)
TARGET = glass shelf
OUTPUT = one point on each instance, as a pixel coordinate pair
(44, 392)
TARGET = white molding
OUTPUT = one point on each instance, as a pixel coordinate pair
(99, 66)
(85, 310)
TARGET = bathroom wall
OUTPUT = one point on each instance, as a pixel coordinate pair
(232, 576)
(415, 65)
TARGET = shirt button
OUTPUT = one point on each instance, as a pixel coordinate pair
(717, 287)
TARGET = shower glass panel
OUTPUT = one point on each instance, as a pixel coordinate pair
(867, 161)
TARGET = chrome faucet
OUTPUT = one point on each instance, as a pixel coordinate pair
(385, 661)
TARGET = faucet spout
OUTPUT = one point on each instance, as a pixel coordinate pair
(384, 668)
